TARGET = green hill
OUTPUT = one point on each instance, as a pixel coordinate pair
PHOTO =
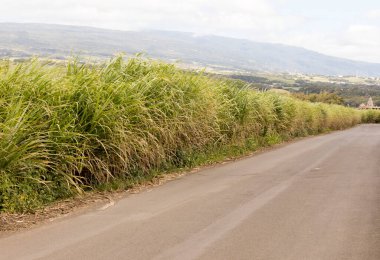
(60, 41)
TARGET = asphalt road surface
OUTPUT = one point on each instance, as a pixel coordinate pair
(318, 198)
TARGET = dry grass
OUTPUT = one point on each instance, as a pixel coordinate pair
(65, 129)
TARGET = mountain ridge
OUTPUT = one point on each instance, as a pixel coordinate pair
(218, 52)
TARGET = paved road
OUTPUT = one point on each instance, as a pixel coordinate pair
(318, 198)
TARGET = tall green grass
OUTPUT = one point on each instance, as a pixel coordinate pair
(66, 128)
(371, 116)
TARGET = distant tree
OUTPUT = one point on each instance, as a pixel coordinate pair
(323, 97)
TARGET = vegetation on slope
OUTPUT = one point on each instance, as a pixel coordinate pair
(65, 129)
(323, 97)
(353, 91)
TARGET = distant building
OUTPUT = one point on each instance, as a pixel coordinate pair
(370, 102)
(369, 105)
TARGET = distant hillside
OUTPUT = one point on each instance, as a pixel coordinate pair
(59, 41)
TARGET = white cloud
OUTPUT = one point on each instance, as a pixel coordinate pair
(374, 14)
(212, 16)
(357, 42)
(262, 20)
(364, 35)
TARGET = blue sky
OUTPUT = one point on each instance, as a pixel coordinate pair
(349, 29)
